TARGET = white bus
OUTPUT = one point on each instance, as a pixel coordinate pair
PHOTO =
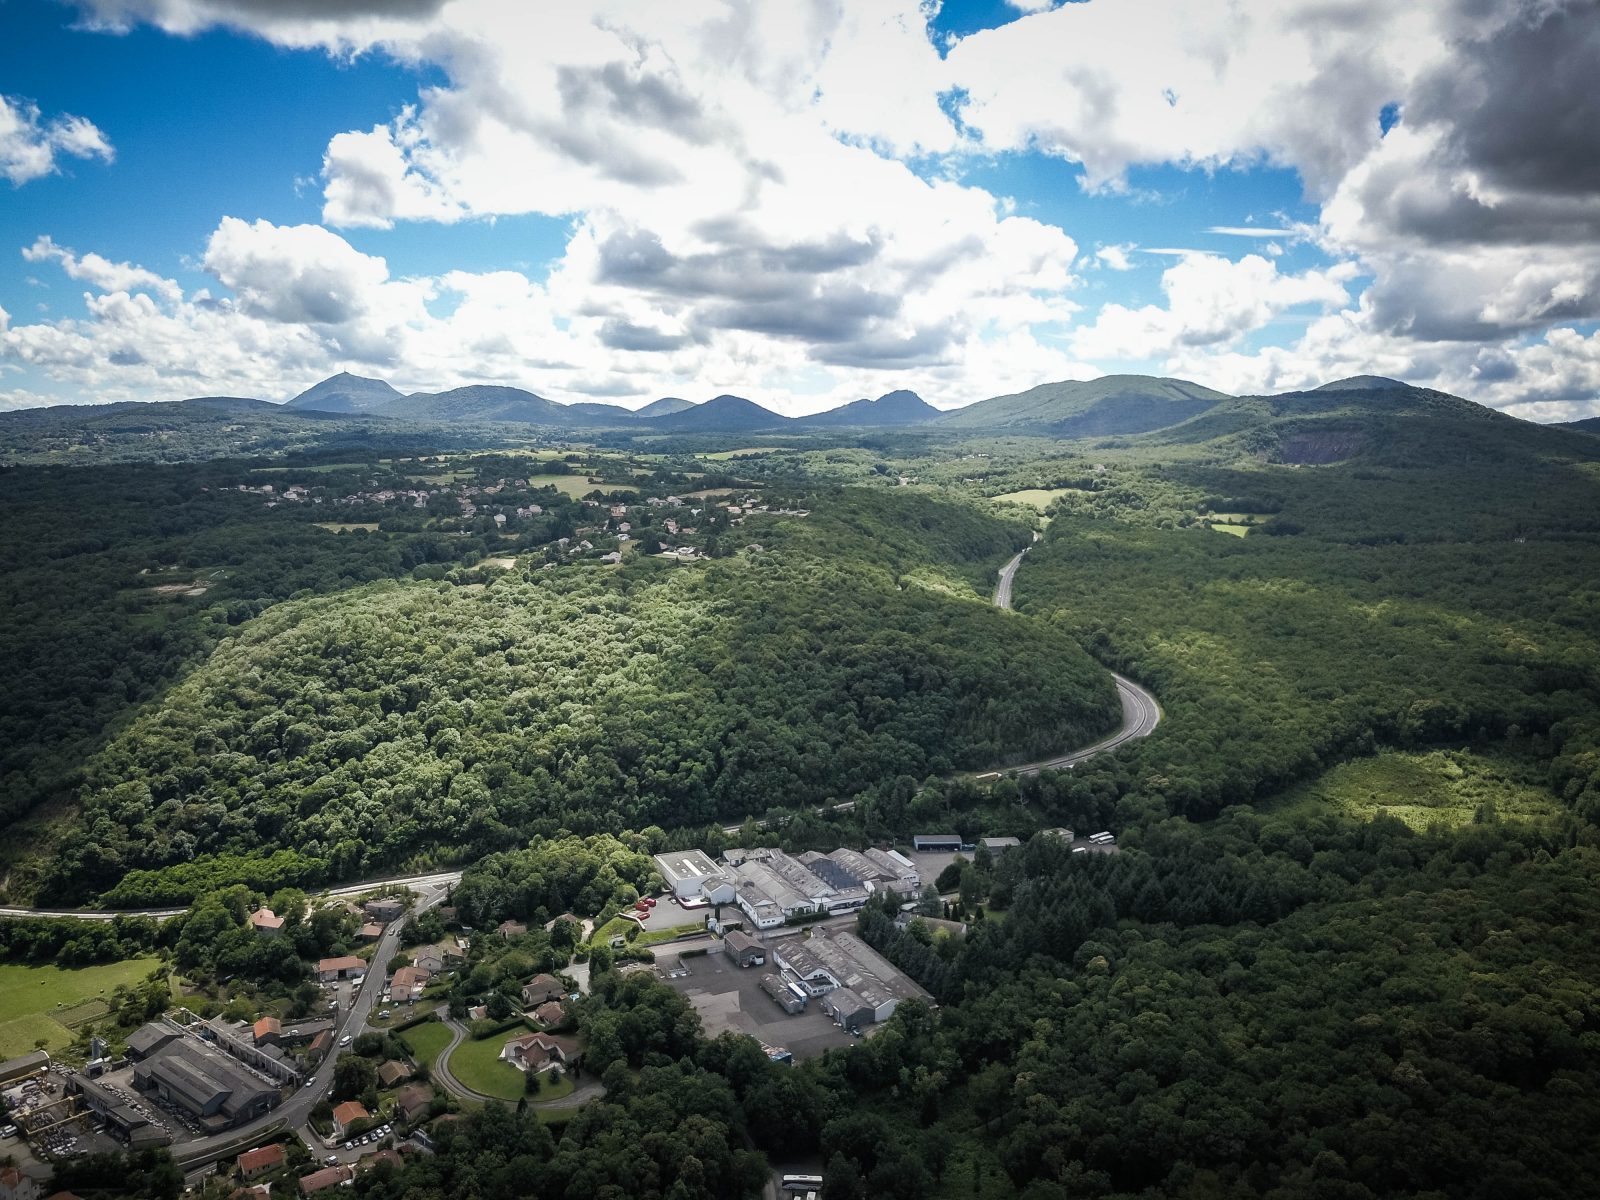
(802, 1183)
(1102, 839)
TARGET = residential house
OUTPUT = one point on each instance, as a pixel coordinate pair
(347, 1114)
(347, 966)
(407, 984)
(266, 923)
(261, 1160)
(384, 908)
(550, 1014)
(541, 988)
(14, 1185)
(509, 929)
(537, 1052)
(321, 1181)
(268, 1031)
(370, 932)
(414, 1102)
(393, 1073)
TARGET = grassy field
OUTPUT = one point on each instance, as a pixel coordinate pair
(1225, 527)
(1445, 787)
(1040, 498)
(31, 997)
(477, 1064)
(23, 1035)
(578, 486)
(425, 1041)
(346, 526)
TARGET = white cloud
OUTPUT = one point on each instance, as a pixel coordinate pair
(30, 144)
(99, 272)
(1211, 302)
(745, 214)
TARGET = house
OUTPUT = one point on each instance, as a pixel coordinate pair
(320, 1044)
(384, 908)
(414, 1102)
(509, 929)
(321, 1181)
(541, 988)
(744, 949)
(612, 557)
(566, 916)
(393, 1072)
(267, 1031)
(347, 966)
(537, 1052)
(934, 843)
(14, 1185)
(407, 984)
(478, 1012)
(370, 932)
(266, 923)
(347, 1114)
(550, 1013)
(261, 1160)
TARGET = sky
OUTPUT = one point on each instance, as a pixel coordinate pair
(802, 203)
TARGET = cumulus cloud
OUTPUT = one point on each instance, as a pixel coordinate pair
(1211, 301)
(31, 145)
(760, 194)
(99, 272)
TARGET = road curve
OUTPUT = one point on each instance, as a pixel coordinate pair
(1140, 712)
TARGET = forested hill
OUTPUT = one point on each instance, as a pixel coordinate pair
(366, 727)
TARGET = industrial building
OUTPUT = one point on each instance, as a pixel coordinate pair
(925, 843)
(825, 962)
(265, 1055)
(206, 1083)
(789, 996)
(744, 949)
(687, 872)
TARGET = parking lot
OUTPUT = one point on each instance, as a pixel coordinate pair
(729, 997)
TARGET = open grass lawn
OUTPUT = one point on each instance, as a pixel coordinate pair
(1447, 787)
(31, 997)
(1225, 527)
(1040, 498)
(22, 1035)
(425, 1041)
(553, 1091)
(25, 989)
(477, 1064)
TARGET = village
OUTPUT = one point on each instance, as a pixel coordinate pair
(429, 1017)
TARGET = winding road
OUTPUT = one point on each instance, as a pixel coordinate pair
(1140, 712)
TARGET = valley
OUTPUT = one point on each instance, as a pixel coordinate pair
(389, 735)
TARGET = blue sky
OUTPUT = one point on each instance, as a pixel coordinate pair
(803, 206)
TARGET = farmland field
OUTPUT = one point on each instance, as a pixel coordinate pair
(1040, 498)
(31, 998)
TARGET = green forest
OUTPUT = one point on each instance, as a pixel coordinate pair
(1346, 950)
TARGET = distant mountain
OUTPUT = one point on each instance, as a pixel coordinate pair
(346, 393)
(591, 412)
(479, 402)
(1361, 383)
(894, 408)
(1586, 425)
(721, 414)
(1111, 405)
(239, 404)
(1379, 421)
(663, 407)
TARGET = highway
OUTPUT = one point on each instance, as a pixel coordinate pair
(1140, 711)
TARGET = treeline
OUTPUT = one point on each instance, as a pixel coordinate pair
(555, 876)
(1259, 1009)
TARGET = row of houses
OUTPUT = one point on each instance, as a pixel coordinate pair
(773, 888)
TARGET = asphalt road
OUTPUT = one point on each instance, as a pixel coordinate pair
(1140, 711)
